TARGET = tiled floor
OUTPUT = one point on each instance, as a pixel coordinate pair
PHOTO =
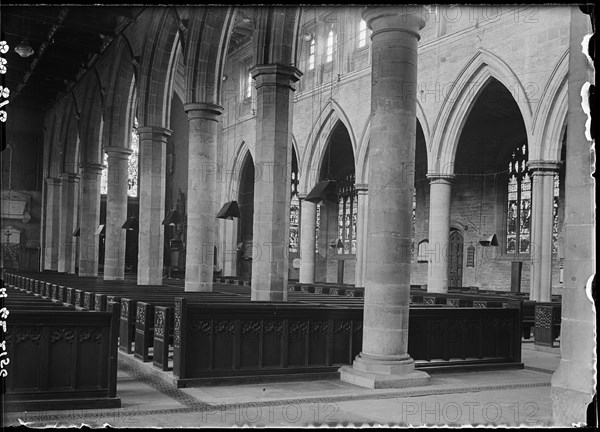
(515, 397)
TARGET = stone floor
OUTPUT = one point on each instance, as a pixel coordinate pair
(515, 397)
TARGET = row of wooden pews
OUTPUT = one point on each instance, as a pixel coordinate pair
(219, 336)
(59, 357)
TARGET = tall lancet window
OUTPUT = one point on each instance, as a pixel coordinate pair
(518, 221)
(294, 214)
(347, 215)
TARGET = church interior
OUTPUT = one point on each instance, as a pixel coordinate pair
(297, 215)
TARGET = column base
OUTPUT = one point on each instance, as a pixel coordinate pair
(198, 287)
(569, 407)
(377, 374)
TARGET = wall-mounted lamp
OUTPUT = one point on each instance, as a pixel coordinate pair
(100, 230)
(76, 232)
(24, 49)
(307, 36)
(229, 211)
(224, 78)
(172, 218)
(489, 240)
(323, 191)
(131, 224)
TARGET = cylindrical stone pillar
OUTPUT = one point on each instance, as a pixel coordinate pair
(362, 202)
(51, 241)
(439, 233)
(89, 219)
(116, 212)
(273, 163)
(202, 200)
(384, 360)
(68, 222)
(542, 220)
(152, 178)
(308, 226)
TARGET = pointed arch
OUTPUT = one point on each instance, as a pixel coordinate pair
(550, 116)
(470, 82)
(157, 69)
(91, 121)
(362, 162)
(119, 100)
(71, 140)
(316, 144)
(238, 163)
(205, 53)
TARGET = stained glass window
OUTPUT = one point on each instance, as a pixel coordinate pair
(294, 214)
(555, 214)
(132, 166)
(518, 221)
(347, 214)
(311, 55)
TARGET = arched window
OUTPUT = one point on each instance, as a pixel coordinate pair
(518, 228)
(329, 46)
(311, 55)
(132, 167)
(362, 33)
(294, 214)
(422, 251)
(347, 214)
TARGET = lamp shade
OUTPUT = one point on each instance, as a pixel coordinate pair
(132, 224)
(100, 230)
(229, 211)
(76, 232)
(323, 191)
(489, 240)
(172, 218)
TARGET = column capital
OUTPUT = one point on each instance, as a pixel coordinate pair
(118, 152)
(69, 176)
(53, 181)
(361, 188)
(543, 167)
(203, 110)
(409, 19)
(440, 178)
(154, 133)
(275, 74)
(93, 168)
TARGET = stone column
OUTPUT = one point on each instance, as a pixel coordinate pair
(272, 181)
(308, 226)
(116, 212)
(384, 360)
(152, 177)
(90, 219)
(362, 202)
(573, 382)
(542, 220)
(53, 195)
(201, 200)
(68, 222)
(439, 233)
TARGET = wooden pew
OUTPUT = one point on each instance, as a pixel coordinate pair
(61, 358)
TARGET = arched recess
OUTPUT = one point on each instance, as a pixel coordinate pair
(120, 100)
(205, 52)
(316, 144)
(421, 153)
(470, 82)
(92, 123)
(72, 143)
(362, 167)
(157, 69)
(245, 199)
